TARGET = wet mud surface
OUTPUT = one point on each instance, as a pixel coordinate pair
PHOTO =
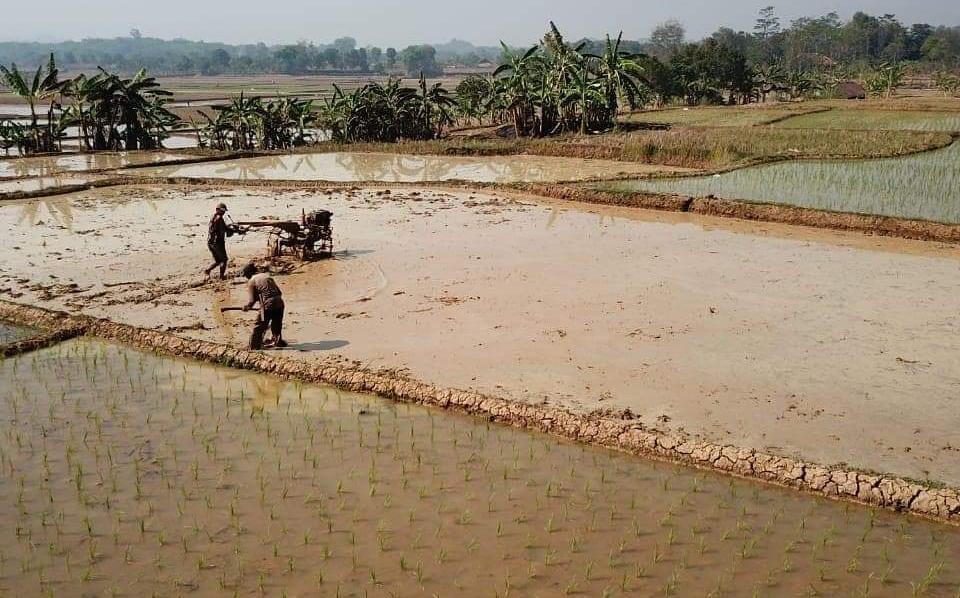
(143, 474)
(679, 319)
(357, 166)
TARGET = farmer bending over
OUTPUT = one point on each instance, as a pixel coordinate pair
(264, 290)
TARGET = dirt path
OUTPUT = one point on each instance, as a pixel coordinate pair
(827, 346)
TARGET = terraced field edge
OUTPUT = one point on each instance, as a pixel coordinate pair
(608, 431)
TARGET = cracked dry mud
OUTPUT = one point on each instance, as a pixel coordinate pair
(812, 345)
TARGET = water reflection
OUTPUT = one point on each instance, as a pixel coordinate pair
(41, 183)
(51, 165)
(58, 210)
(356, 166)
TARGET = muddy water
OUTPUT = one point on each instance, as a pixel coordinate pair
(924, 186)
(354, 166)
(11, 332)
(41, 183)
(132, 474)
(49, 165)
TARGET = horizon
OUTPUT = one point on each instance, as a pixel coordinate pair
(483, 29)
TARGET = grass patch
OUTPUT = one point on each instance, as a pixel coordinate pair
(720, 116)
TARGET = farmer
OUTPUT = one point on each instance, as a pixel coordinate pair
(264, 290)
(217, 232)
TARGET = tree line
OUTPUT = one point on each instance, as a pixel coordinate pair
(183, 57)
(805, 43)
(550, 88)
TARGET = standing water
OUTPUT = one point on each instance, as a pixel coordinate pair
(127, 472)
(923, 186)
(358, 166)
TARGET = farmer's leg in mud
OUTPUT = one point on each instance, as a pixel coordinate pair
(271, 316)
(259, 329)
(219, 253)
(276, 323)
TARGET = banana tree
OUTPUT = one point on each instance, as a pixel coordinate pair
(587, 95)
(432, 102)
(518, 73)
(42, 88)
(621, 76)
(83, 91)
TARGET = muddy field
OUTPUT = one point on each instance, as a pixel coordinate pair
(128, 473)
(793, 341)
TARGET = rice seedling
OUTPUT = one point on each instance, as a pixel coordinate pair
(920, 186)
(251, 483)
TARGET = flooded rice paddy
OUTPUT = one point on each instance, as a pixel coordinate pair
(357, 166)
(922, 186)
(125, 473)
(42, 183)
(51, 165)
(864, 119)
(605, 314)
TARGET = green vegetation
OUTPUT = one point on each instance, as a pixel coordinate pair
(111, 113)
(923, 186)
(253, 124)
(388, 112)
(720, 116)
(129, 473)
(875, 119)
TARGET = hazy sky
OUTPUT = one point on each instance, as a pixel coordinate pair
(396, 22)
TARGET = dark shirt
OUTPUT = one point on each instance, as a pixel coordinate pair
(217, 230)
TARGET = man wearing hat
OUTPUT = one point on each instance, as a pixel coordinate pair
(217, 232)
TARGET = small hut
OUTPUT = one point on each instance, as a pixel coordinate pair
(851, 90)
